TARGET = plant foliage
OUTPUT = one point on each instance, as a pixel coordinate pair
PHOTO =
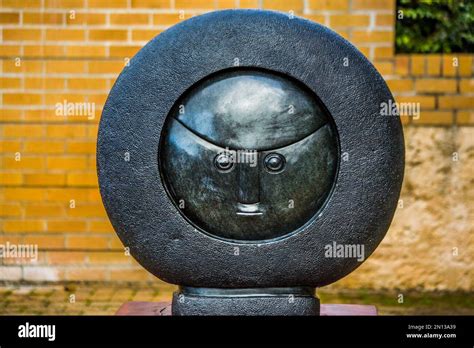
(435, 26)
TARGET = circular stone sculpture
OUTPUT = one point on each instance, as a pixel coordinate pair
(243, 155)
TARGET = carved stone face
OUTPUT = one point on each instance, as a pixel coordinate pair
(249, 155)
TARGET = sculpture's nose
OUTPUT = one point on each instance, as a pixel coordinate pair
(248, 190)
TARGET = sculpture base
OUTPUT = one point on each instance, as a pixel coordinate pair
(164, 309)
(246, 302)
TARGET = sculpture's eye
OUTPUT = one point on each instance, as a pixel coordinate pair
(224, 162)
(274, 162)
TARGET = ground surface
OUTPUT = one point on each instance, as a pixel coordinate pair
(106, 298)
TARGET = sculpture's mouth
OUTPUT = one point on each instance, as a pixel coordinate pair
(246, 209)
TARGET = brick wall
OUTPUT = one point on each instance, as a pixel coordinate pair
(72, 50)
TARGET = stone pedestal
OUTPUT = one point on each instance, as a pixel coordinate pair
(164, 308)
(247, 302)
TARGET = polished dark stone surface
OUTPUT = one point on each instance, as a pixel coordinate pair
(286, 137)
(250, 109)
